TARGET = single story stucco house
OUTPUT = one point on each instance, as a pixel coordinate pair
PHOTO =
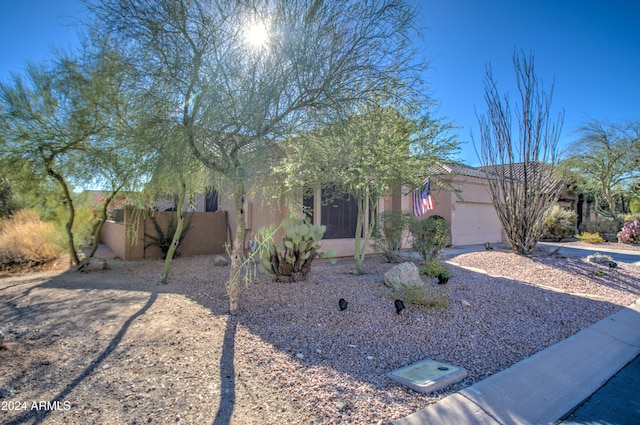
(460, 195)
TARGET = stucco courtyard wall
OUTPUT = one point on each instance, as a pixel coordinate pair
(208, 234)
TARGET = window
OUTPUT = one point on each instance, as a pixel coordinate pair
(339, 215)
(307, 206)
(211, 203)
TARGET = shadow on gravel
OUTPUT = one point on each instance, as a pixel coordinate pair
(505, 322)
(227, 375)
(58, 399)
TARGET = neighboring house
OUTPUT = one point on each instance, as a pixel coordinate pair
(581, 205)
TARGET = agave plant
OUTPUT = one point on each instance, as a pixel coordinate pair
(290, 260)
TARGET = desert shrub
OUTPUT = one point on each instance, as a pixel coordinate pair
(630, 217)
(434, 268)
(430, 237)
(422, 296)
(163, 238)
(27, 241)
(290, 260)
(589, 237)
(630, 232)
(559, 224)
(600, 226)
(390, 233)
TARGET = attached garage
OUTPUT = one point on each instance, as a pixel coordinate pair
(474, 223)
(468, 208)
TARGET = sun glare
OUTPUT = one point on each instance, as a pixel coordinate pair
(256, 35)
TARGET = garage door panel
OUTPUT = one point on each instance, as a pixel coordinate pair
(475, 223)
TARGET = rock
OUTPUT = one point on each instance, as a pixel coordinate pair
(1, 337)
(465, 303)
(220, 261)
(92, 264)
(6, 391)
(404, 274)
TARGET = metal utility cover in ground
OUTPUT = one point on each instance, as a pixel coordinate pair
(428, 375)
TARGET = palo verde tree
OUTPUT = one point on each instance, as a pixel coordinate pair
(522, 169)
(242, 76)
(49, 118)
(114, 161)
(366, 156)
(605, 160)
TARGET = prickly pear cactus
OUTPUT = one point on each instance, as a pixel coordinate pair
(290, 260)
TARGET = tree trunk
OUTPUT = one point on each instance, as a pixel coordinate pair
(358, 256)
(103, 217)
(176, 236)
(73, 254)
(237, 251)
(361, 245)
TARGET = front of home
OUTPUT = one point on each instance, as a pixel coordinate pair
(464, 202)
(460, 195)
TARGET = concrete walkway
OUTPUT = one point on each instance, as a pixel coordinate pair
(549, 385)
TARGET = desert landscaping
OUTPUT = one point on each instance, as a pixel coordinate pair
(114, 347)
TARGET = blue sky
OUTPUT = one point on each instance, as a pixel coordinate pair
(590, 48)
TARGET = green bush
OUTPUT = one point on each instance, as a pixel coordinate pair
(390, 233)
(434, 268)
(430, 237)
(422, 296)
(600, 226)
(559, 224)
(588, 237)
(290, 260)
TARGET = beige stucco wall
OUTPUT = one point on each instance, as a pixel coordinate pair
(207, 235)
(113, 235)
(262, 212)
(468, 210)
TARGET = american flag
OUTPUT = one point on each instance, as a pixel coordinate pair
(422, 201)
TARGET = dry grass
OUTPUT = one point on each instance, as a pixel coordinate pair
(26, 242)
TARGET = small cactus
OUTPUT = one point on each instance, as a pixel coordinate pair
(290, 260)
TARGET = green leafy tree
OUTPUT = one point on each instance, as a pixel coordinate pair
(7, 201)
(522, 169)
(236, 98)
(605, 161)
(367, 156)
(49, 118)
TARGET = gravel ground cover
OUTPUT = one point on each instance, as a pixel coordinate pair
(114, 347)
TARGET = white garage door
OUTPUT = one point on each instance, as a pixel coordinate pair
(475, 223)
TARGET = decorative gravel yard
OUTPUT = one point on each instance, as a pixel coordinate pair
(114, 347)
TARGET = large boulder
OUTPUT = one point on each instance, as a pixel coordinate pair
(403, 274)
